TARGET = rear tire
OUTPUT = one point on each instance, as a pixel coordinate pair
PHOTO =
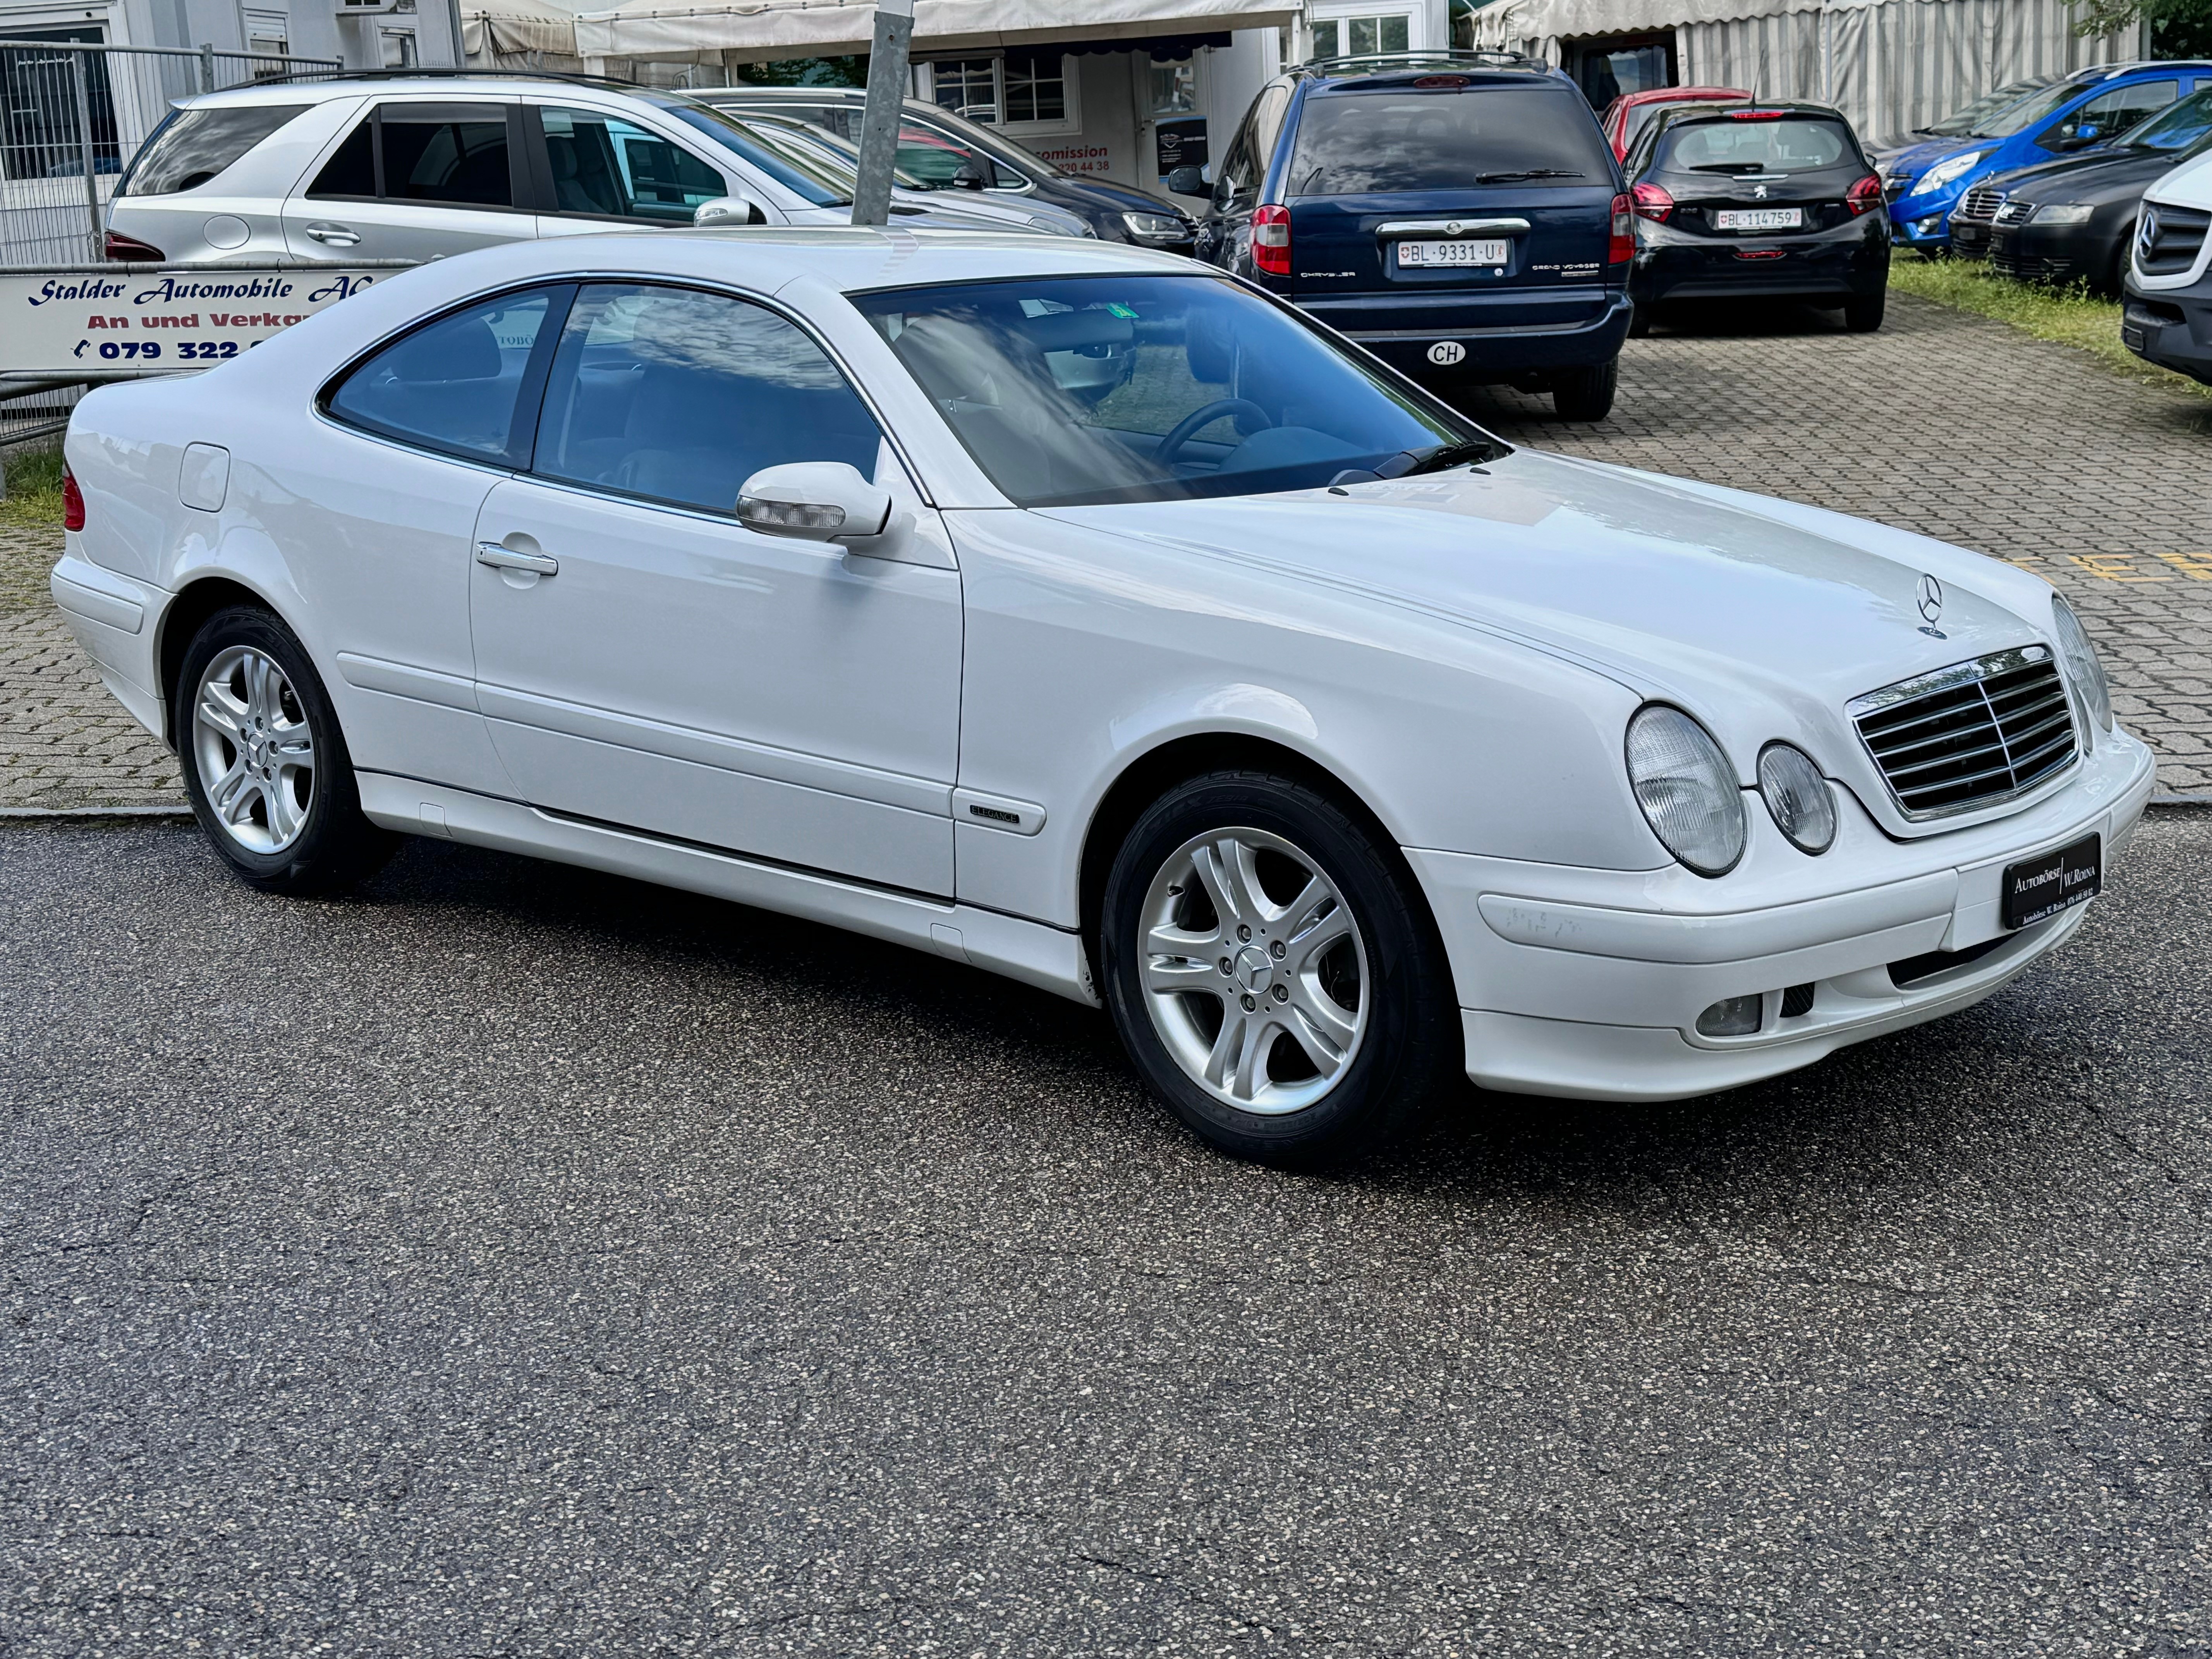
(1585, 394)
(1863, 313)
(1335, 1020)
(265, 765)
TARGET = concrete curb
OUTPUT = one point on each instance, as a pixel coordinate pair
(2174, 798)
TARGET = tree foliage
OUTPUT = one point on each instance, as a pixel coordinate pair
(2104, 17)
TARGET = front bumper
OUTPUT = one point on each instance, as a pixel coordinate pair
(1589, 983)
(1848, 261)
(2053, 253)
(2171, 327)
(1923, 221)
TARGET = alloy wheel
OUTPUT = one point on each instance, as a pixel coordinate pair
(1254, 971)
(254, 750)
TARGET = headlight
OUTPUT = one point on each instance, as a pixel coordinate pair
(1944, 172)
(1156, 227)
(2081, 664)
(1686, 788)
(2063, 213)
(1798, 796)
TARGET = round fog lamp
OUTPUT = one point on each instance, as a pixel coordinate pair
(1798, 796)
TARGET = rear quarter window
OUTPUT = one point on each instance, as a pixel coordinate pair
(190, 150)
(1400, 139)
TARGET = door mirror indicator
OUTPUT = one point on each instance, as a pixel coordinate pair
(725, 212)
(814, 500)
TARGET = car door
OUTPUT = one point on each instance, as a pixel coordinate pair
(598, 171)
(2108, 116)
(414, 179)
(644, 660)
(375, 504)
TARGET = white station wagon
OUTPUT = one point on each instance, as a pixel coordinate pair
(1068, 610)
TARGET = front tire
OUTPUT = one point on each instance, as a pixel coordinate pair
(265, 765)
(1332, 1020)
(1585, 394)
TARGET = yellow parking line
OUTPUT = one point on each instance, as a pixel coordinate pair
(2111, 567)
(2196, 565)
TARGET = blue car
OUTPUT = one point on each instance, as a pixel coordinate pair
(1458, 214)
(2089, 108)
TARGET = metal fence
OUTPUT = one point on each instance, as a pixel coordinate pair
(73, 112)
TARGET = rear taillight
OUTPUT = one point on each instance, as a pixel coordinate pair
(1271, 238)
(1653, 203)
(1865, 196)
(130, 250)
(72, 501)
(1622, 247)
(1757, 114)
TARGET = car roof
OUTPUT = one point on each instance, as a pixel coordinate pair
(851, 258)
(1479, 68)
(370, 82)
(1736, 112)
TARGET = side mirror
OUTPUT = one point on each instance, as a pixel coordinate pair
(1189, 181)
(815, 501)
(726, 210)
(972, 176)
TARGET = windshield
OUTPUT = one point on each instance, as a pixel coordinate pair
(1079, 390)
(2026, 111)
(1791, 145)
(1404, 140)
(1960, 122)
(808, 173)
(2177, 128)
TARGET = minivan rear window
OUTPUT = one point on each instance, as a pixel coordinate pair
(1399, 139)
(194, 145)
(1789, 145)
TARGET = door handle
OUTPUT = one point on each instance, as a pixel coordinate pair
(506, 558)
(333, 236)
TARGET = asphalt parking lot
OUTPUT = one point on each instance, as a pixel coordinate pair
(516, 1260)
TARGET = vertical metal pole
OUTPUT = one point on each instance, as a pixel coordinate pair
(81, 83)
(880, 119)
(207, 66)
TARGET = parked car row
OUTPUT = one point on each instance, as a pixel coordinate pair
(2166, 313)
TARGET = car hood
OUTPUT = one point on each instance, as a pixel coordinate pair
(1674, 589)
(2188, 186)
(1121, 198)
(2091, 170)
(1916, 159)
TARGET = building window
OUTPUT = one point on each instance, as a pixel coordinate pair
(1611, 67)
(1032, 92)
(399, 49)
(1358, 37)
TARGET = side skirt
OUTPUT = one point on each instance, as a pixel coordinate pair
(1026, 950)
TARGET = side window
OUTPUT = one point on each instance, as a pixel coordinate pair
(2108, 115)
(1234, 182)
(457, 154)
(605, 167)
(936, 158)
(680, 397)
(455, 385)
(1266, 127)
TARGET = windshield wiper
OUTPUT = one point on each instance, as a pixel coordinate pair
(1407, 462)
(1527, 172)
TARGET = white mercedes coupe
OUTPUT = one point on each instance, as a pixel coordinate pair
(1072, 611)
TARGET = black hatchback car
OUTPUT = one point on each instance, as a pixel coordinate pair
(1459, 214)
(2074, 220)
(1759, 201)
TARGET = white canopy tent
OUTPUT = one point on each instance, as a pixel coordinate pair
(757, 31)
(1891, 66)
(519, 34)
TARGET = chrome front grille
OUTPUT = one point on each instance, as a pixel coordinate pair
(1971, 735)
(1980, 203)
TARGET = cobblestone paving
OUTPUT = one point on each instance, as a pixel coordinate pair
(1962, 428)
(64, 741)
(1945, 423)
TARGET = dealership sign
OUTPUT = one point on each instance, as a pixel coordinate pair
(107, 321)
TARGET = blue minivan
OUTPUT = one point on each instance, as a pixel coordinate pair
(2091, 107)
(1460, 215)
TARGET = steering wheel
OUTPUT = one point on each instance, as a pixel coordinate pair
(1205, 415)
